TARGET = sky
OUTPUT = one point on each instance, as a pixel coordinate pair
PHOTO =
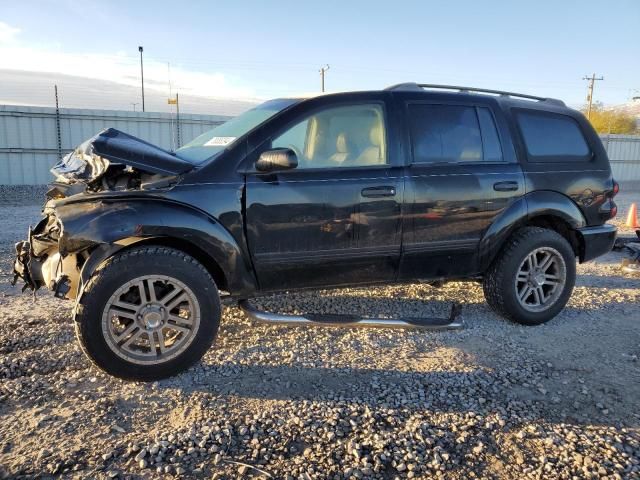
(245, 50)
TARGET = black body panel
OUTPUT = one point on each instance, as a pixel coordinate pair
(596, 241)
(320, 228)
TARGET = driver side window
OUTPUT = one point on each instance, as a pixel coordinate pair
(350, 136)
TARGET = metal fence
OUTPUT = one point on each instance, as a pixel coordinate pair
(33, 138)
(624, 155)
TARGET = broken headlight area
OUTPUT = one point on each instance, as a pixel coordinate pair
(115, 161)
(39, 262)
(84, 171)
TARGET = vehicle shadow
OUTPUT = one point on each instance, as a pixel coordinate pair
(609, 281)
(412, 383)
(479, 392)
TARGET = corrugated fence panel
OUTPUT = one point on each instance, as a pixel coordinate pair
(29, 139)
(624, 155)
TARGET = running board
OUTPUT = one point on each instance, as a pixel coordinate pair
(340, 320)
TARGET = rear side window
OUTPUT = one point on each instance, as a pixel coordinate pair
(445, 133)
(551, 137)
(452, 134)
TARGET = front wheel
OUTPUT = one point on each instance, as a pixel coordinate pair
(531, 281)
(148, 313)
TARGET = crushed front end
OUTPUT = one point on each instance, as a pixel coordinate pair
(40, 262)
(110, 163)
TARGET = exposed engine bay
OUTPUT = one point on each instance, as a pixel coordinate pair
(115, 161)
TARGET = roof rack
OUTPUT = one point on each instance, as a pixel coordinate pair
(429, 86)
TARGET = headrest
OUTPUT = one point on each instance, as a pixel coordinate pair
(341, 144)
(376, 135)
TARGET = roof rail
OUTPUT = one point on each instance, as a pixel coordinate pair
(428, 86)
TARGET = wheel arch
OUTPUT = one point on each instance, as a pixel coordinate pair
(105, 228)
(546, 209)
(191, 249)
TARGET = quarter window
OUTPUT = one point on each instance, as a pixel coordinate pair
(552, 137)
(445, 133)
(349, 136)
(490, 141)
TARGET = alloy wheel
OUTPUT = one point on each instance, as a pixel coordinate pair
(151, 319)
(540, 279)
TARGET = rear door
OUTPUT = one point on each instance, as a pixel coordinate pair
(335, 219)
(462, 175)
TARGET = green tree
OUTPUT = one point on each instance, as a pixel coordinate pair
(611, 121)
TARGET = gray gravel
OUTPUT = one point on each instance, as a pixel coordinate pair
(494, 400)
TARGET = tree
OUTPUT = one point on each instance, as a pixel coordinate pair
(611, 121)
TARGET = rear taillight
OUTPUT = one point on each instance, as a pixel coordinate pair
(616, 189)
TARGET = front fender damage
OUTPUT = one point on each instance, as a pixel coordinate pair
(40, 263)
(51, 257)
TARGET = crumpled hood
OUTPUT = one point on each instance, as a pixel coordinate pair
(89, 161)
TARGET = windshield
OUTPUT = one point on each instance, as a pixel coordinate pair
(214, 141)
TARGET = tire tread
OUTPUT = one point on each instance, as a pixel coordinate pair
(494, 277)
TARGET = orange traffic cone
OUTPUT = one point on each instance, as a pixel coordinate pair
(632, 218)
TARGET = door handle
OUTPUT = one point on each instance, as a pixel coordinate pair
(374, 192)
(505, 186)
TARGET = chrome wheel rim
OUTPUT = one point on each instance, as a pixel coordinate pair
(151, 319)
(540, 279)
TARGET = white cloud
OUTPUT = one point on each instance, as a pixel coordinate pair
(117, 68)
(7, 33)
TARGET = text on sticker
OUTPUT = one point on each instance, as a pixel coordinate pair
(219, 141)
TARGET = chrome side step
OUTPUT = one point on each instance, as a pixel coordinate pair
(339, 320)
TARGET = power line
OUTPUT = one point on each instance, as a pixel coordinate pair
(592, 80)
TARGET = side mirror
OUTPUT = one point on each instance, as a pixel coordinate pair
(277, 159)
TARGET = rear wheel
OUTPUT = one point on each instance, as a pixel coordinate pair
(148, 313)
(531, 281)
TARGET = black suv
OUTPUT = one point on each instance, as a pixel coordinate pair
(415, 182)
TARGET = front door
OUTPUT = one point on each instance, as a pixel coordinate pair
(335, 219)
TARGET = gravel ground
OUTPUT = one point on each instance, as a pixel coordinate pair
(494, 400)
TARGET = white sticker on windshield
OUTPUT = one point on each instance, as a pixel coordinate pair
(219, 141)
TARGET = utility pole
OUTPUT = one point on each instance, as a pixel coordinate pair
(592, 80)
(140, 49)
(322, 72)
(134, 105)
(58, 130)
(174, 101)
(178, 118)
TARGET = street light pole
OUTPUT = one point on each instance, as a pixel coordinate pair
(323, 70)
(140, 49)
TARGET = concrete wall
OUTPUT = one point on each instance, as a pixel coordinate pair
(29, 138)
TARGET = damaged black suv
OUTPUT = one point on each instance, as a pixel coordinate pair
(415, 182)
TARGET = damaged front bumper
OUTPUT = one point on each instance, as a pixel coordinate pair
(39, 262)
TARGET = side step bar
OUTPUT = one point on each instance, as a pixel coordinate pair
(338, 320)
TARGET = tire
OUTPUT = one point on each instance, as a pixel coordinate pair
(144, 294)
(511, 276)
